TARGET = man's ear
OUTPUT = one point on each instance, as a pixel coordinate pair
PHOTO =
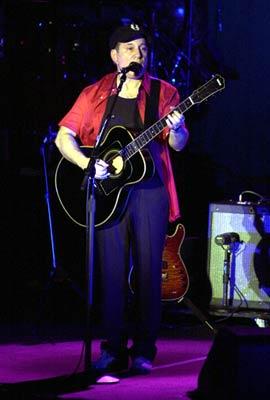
(114, 55)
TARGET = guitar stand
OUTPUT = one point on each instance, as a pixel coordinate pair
(199, 314)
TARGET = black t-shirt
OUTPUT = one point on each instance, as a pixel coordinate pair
(125, 113)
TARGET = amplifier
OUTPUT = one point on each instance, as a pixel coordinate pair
(238, 260)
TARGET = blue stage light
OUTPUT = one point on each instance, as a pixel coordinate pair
(180, 12)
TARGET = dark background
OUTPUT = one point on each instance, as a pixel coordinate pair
(49, 51)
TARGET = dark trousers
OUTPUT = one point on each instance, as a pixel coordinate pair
(138, 238)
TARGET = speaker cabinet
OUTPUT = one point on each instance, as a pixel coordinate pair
(237, 365)
(249, 258)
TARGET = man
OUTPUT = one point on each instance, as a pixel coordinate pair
(141, 229)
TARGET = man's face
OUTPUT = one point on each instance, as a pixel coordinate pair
(134, 51)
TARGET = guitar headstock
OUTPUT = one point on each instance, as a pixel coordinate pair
(214, 85)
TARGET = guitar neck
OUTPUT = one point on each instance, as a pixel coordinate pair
(211, 87)
(149, 134)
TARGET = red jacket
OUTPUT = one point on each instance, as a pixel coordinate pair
(85, 118)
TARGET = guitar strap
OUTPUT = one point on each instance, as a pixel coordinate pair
(152, 101)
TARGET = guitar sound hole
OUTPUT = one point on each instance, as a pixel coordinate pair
(116, 163)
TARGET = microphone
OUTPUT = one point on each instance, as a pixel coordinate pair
(133, 66)
(227, 238)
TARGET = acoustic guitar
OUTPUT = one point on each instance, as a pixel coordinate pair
(175, 279)
(127, 165)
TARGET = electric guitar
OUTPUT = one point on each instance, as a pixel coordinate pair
(175, 279)
(127, 165)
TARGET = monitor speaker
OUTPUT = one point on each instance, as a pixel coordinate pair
(239, 243)
(236, 367)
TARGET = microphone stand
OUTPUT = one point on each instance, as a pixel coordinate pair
(226, 276)
(47, 141)
(56, 272)
(88, 185)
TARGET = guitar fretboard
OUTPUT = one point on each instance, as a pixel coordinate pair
(208, 89)
(145, 137)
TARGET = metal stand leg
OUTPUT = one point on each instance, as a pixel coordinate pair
(196, 311)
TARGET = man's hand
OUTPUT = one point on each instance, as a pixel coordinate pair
(175, 121)
(101, 169)
(178, 132)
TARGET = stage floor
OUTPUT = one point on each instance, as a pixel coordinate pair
(38, 369)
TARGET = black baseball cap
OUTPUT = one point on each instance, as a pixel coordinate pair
(127, 33)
